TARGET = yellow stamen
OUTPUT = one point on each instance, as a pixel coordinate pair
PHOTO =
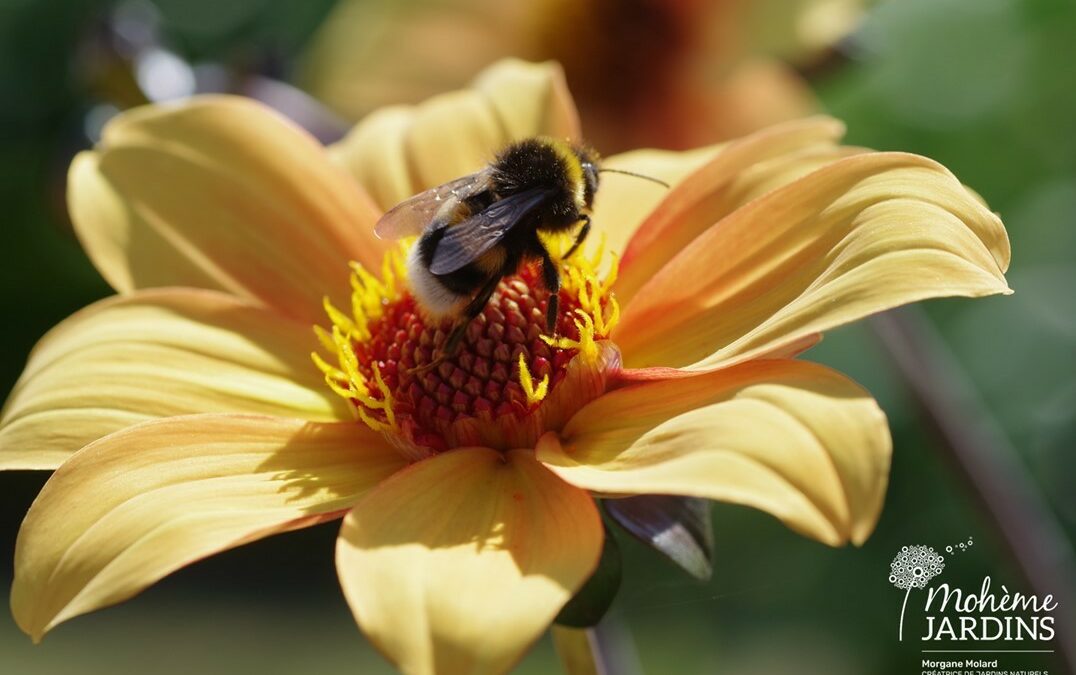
(592, 290)
(339, 319)
(368, 297)
(385, 404)
(585, 345)
(373, 399)
(325, 339)
(526, 380)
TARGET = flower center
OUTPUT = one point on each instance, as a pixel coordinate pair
(506, 384)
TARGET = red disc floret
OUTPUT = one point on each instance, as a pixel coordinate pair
(481, 380)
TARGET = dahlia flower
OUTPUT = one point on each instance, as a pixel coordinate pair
(197, 410)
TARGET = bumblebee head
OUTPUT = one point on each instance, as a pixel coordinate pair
(589, 161)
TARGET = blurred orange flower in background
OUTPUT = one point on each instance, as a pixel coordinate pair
(645, 73)
(203, 425)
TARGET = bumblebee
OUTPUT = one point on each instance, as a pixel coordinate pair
(477, 229)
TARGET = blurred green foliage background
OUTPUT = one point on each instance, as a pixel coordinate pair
(987, 87)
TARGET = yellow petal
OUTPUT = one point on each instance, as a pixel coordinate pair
(397, 152)
(739, 172)
(460, 562)
(375, 154)
(623, 202)
(221, 193)
(792, 438)
(452, 135)
(858, 236)
(433, 47)
(143, 502)
(799, 31)
(158, 353)
(529, 99)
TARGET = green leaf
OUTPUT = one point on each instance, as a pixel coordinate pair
(677, 527)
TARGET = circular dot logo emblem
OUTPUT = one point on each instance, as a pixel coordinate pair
(915, 566)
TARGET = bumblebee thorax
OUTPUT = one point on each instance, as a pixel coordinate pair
(544, 163)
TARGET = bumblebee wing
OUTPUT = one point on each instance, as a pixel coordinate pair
(412, 216)
(470, 238)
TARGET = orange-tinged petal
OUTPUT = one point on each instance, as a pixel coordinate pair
(143, 502)
(734, 176)
(158, 353)
(220, 192)
(792, 438)
(458, 563)
(858, 236)
(623, 202)
(397, 152)
(650, 225)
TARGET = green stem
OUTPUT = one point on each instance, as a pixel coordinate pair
(578, 650)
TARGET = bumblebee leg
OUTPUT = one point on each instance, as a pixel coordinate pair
(473, 309)
(583, 232)
(551, 279)
(470, 311)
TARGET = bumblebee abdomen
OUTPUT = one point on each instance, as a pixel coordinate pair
(492, 261)
(433, 294)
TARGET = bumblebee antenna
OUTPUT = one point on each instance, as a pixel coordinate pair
(637, 175)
